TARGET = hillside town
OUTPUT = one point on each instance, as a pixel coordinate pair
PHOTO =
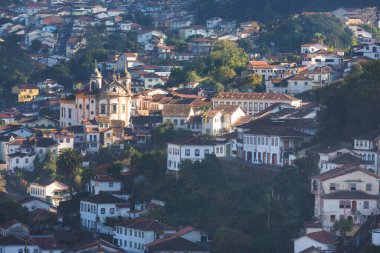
(80, 158)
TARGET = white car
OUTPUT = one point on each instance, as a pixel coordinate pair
(257, 162)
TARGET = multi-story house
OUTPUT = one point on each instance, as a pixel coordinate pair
(253, 103)
(192, 148)
(291, 85)
(270, 141)
(103, 183)
(92, 136)
(96, 210)
(323, 59)
(25, 92)
(366, 145)
(50, 191)
(221, 119)
(35, 243)
(348, 192)
(178, 114)
(133, 235)
(371, 51)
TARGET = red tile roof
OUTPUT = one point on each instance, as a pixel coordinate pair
(323, 237)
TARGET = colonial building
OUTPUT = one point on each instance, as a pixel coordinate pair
(194, 149)
(253, 103)
(133, 235)
(99, 98)
(348, 192)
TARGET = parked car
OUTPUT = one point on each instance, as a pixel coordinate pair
(257, 162)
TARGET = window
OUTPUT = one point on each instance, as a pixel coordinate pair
(123, 108)
(345, 204)
(175, 122)
(187, 152)
(353, 187)
(110, 184)
(332, 187)
(368, 187)
(197, 152)
(112, 210)
(114, 108)
(26, 160)
(332, 218)
(103, 211)
(207, 152)
(17, 160)
(366, 204)
(102, 109)
(182, 122)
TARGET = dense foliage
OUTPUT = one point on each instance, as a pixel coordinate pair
(352, 104)
(14, 69)
(289, 33)
(243, 208)
(221, 66)
(243, 10)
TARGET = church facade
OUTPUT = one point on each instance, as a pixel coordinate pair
(110, 100)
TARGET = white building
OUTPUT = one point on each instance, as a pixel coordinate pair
(222, 119)
(321, 60)
(111, 100)
(132, 235)
(316, 242)
(95, 210)
(371, 51)
(145, 36)
(192, 148)
(270, 142)
(295, 84)
(213, 22)
(37, 243)
(312, 48)
(104, 183)
(253, 103)
(349, 192)
(50, 191)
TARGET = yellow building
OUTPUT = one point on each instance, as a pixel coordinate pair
(25, 92)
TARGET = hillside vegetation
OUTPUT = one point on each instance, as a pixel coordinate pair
(243, 10)
(352, 104)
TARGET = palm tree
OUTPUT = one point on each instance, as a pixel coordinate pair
(68, 164)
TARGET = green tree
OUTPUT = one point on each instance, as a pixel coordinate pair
(192, 76)
(69, 162)
(36, 46)
(133, 156)
(319, 37)
(49, 167)
(231, 240)
(252, 81)
(343, 226)
(224, 74)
